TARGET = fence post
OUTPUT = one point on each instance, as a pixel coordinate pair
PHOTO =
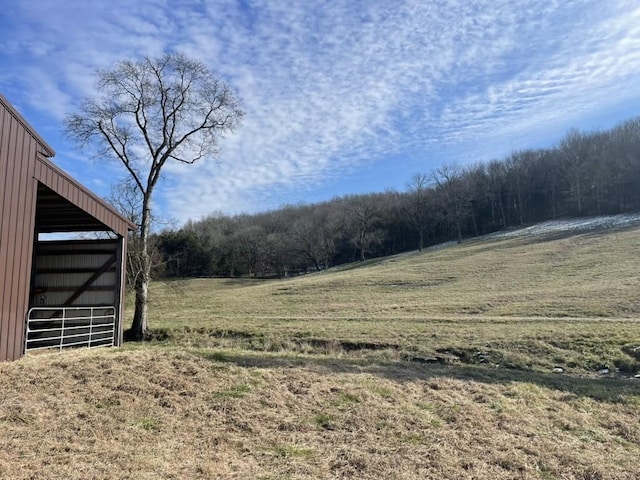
(64, 314)
(90, 328)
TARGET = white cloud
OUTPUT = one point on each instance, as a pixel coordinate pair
(331, 88)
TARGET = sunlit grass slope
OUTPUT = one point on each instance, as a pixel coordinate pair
(529, 302)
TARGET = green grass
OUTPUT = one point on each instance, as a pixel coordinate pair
(518, 303)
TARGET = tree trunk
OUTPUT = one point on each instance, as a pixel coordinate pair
(520, 206)
(139, 325)
(363, 235)
(579, 195)
(473, 218)
(459, 229)
(503, 214)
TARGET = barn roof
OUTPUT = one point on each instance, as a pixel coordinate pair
(63, 204)
(47, 151)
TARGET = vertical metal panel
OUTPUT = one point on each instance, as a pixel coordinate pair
(24, 232)
(18, 150)
(29, 241)
(8, 241)
(5, 182)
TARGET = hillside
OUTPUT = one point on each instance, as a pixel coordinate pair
(533, 299)
(431, 365)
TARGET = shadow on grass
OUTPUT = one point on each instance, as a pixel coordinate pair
(611, 389)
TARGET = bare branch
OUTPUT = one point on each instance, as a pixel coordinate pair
(149, 112)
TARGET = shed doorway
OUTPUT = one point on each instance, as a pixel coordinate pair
(77, 278)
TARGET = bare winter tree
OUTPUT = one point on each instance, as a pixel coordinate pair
(145, 114)
(362, 218)
(450, 186)
(419, 190)
(575, 158)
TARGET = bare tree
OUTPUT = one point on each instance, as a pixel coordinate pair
(625, 160)
(517, 170)
(147, 113)
(575, 158)
(127, 199)
(449, 181)
(417, 211)
(362, 221)
(308, 239)
(315, 231)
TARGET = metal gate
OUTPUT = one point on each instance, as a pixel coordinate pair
(63, 327)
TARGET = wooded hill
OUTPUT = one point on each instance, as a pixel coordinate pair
(586, 173)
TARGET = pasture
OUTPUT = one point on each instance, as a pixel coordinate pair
(483, 360)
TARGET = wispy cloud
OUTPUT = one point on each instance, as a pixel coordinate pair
(330, 88)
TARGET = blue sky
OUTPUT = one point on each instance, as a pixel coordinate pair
(341, 96)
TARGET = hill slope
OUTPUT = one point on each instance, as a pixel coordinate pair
(423, 366)
(559, 298)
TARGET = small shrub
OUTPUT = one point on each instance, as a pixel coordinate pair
(627, 365)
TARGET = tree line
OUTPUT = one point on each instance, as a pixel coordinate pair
(586, 173)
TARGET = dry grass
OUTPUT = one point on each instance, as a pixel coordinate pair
(521, 303)
(424, 366)
(588, 275)
(167, 413)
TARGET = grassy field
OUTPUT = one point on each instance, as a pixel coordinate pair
(530, 302)
(432, 365)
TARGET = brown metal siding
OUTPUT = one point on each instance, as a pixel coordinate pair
(24, 226)
(5, 132)
(18, 152)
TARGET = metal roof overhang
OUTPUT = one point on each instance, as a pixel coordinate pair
(57, 214)
(64, 205)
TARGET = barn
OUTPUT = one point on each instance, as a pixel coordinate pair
(59, 293)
